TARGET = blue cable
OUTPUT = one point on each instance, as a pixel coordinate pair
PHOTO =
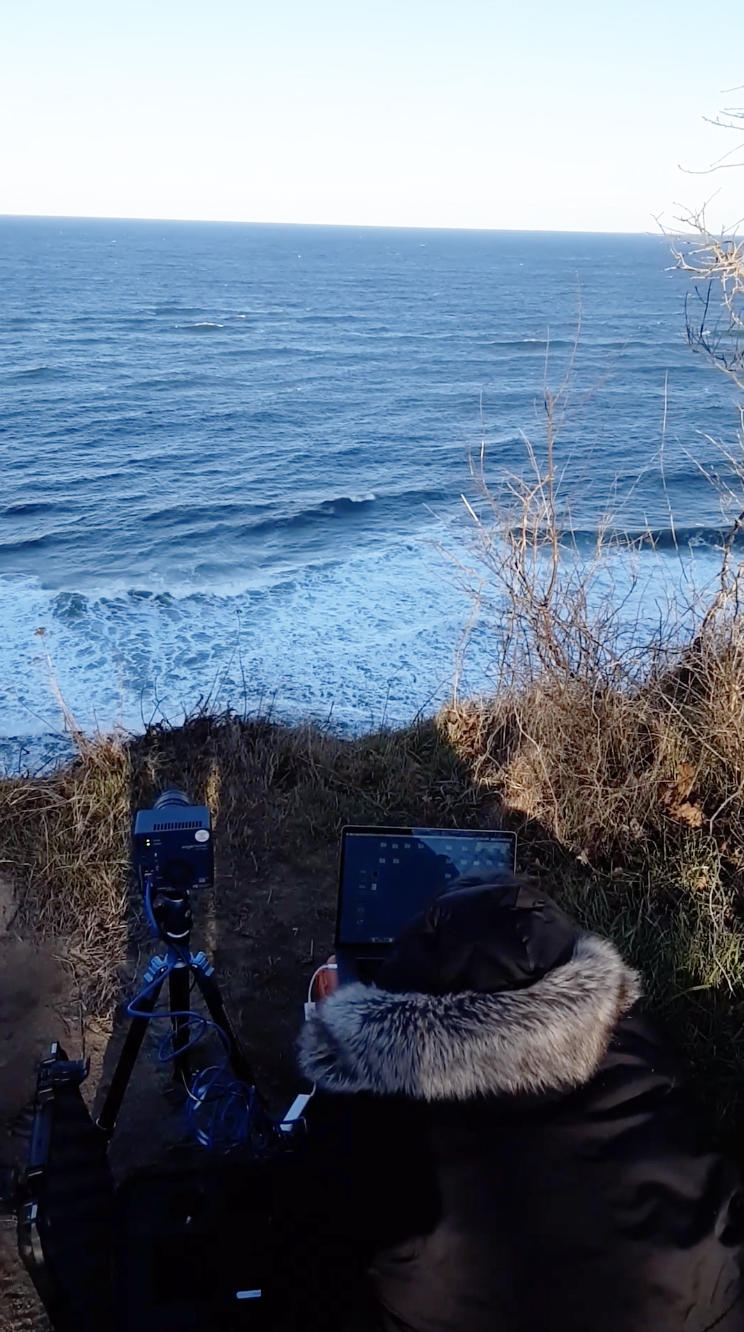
(224, 1113)
(221, 1112)
(148, 907)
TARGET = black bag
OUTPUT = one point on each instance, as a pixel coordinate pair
(198, 1242)
(200, 1246)
(66, 1203)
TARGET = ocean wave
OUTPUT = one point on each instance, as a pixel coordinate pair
(29, 543)
(321, 317)
(202, 326)
(147, 594)
(532, 344)
(70, 606)
(235, 518)
(711, 537)
(656, 538)
(345, 502)
(39, 372)
(232, 529)
(27, 510)
(343, 506)
(188, 515)
(174, 308)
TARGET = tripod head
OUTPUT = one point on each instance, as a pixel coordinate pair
(171, 915)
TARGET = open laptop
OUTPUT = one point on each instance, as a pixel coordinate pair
(388, 875)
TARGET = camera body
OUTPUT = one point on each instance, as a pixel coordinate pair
(172, 844)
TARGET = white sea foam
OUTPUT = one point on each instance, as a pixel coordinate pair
(363, 641)
(368, 641)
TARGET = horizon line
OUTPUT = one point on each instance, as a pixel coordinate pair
(347, 226)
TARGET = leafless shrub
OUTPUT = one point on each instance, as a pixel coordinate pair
(715, 263)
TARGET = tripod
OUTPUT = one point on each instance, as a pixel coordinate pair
(170, 914)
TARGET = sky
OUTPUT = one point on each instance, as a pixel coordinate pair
(559, 115)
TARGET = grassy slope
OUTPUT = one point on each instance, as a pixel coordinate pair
(628, 808)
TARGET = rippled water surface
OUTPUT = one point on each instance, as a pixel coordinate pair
(227, 450)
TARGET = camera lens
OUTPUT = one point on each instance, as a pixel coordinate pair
(171, 797)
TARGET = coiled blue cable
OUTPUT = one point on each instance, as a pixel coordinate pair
(221, 1112)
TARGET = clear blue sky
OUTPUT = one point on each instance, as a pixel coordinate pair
(567, 114)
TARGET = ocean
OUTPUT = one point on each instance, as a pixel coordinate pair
(231, 454)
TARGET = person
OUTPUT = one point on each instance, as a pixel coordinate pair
(499, 1140)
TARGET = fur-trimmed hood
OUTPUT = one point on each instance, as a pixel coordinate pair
(548, 1037)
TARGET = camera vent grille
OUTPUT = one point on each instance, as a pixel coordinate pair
(176, 827)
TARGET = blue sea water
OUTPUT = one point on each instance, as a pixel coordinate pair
(229, 453)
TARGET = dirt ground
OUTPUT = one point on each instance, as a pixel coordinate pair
(265, 935)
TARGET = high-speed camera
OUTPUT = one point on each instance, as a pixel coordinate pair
(172, 844)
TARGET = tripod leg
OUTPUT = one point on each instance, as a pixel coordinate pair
(215, 1005)
(122, 1073)
(178, 983)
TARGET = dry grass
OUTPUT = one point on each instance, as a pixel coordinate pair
(629, 806)
(628, 798)
(278, 795)
(65, 845)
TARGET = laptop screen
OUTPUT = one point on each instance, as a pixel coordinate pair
(389, 875)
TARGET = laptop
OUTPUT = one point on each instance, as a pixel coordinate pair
(389, 875)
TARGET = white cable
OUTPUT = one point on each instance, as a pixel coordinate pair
(310, 1003)
(326, 966)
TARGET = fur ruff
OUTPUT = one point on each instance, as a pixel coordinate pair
(550, 1037)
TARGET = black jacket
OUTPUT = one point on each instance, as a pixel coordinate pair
(517, 1158)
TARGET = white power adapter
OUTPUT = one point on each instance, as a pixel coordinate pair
(295, 1111)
